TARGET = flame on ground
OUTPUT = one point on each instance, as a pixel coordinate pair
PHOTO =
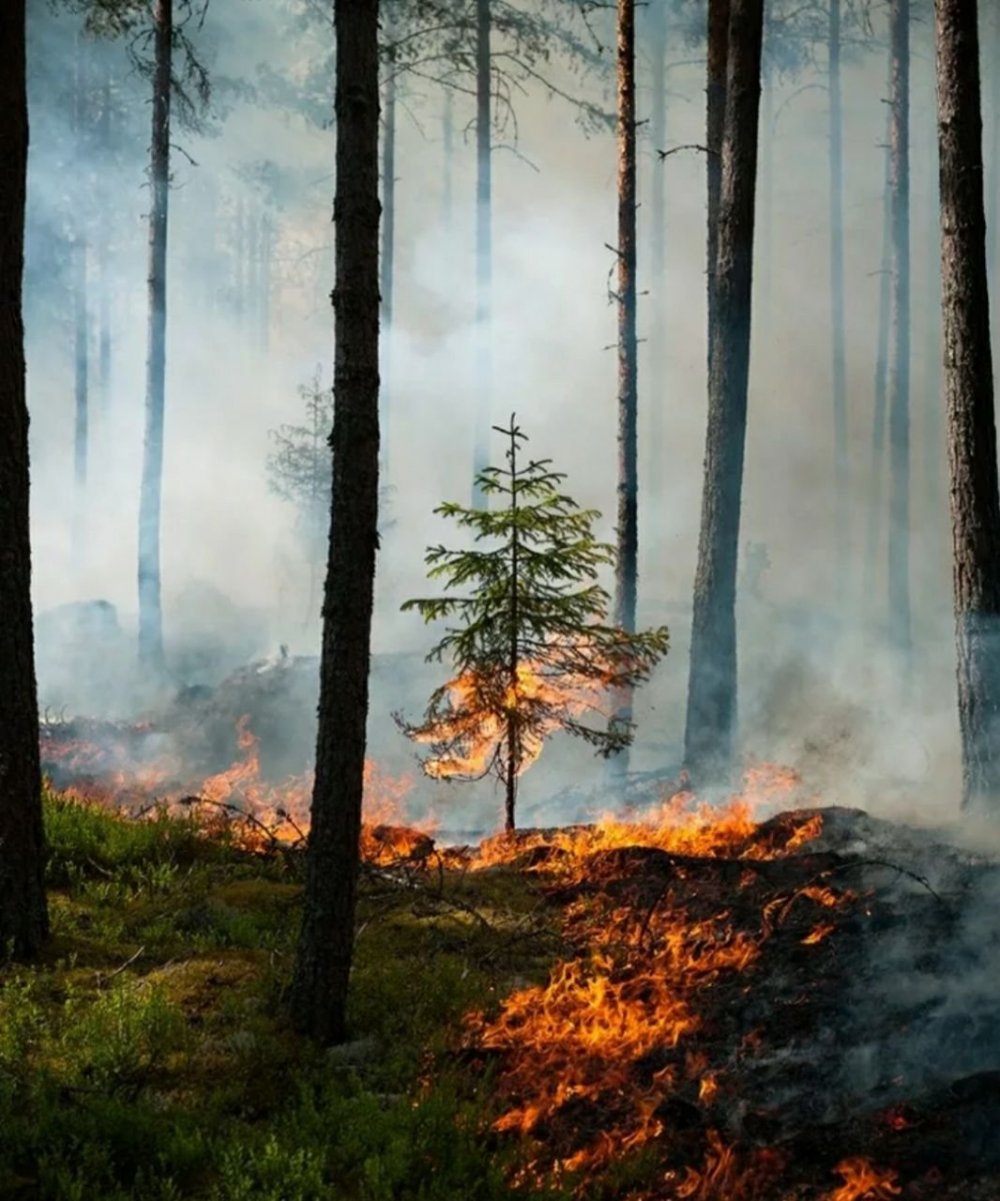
(864, 1182)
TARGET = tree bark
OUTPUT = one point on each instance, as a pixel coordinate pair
(972, 455)
(715, 95)
(654, 390)
(322, 969)
(388, 247)
(899, 392)
(711, 707)
(514, 653)
(626, 563)
(23, 913)
(484, 248)
(150, 611)
(881, 388)
(837, 326)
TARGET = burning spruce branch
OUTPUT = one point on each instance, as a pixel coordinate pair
(534, 653)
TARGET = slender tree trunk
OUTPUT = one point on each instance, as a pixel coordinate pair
(514, 656)
(933, 439)
(654, 390)
(81, 338)
(266, 252)
(765, 192)
(626, 563)
(838, 334)
(23, 913)
(712, 687)
(448, 151)
(150, 611)
(388, 248)
(972, 449)
(899, 392)
(484, 248)
(881, 390)
(992, 163)
(322, 968)
(103, 258)
(715, 94)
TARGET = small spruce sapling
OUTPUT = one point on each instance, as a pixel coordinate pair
(532, 650)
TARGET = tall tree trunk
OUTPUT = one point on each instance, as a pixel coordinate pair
(150, 611)
(715, 98)
(837, 328)
(266, 252)
(765, 192)
(323, 963)
(933, 440)
(448, 153)
(388, 247)
(626, 563)
(103, 256)
(484, 249)
(655, 390)
(712, 686)
(881, 388)
(899, 392)
(972, 450)
(513, 654)
(81, 339)
(992, 164)
(23, 913)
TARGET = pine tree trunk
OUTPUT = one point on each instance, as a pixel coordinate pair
(715, 95)
(972, 452)
(266, 251)
(150, 612)
(388, 249)
(448, 153)
(899, 392)
(654, 391)
(838, 334)
(626, 563)
(323, 963)
(992, 164)
(514, 656)
(23, 913)
(104, 274)
(81, 400)
(881, 390)
(711, 707)
(933, 440)
(484, 248)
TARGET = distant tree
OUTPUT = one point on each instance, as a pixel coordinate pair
(533, 652)
(712, 686)
(23, 913)
(323, 961)
(899, 380)
(972, 443)
(299, 468)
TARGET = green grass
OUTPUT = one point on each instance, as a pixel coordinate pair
(148, 1056)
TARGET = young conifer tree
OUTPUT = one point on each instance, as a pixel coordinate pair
(532, 650)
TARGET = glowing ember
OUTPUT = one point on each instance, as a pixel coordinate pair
(864, 1182)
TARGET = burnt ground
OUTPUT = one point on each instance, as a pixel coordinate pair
(865, 1027)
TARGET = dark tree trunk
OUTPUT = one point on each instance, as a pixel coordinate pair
(992, 163)
(711, 707)
(626, 563)
(23, 914)
(150, 612)
(972, 453)
(104, 257)
(484, 248)
(899, 392)
(715, 93)
(388, 250)
(323, 963)
(654, 392)
(881, 390)
(837, 328)
(514, 652)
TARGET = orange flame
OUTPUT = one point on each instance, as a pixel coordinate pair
(864, 1182)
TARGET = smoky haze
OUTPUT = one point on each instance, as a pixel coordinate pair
(817, 688)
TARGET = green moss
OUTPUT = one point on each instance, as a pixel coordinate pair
(149, 1057)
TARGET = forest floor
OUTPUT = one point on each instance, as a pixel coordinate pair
(619, 1012)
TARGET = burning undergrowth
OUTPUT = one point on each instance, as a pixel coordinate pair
(795, 1007)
